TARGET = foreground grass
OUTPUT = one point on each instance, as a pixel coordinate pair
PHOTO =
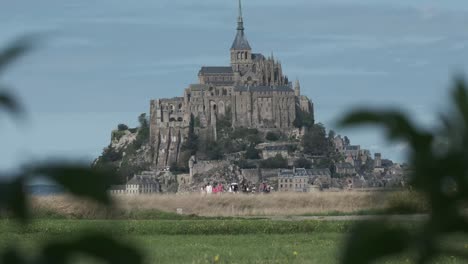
(201, 241)
(229, 205)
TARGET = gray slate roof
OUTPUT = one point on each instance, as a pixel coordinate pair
(300, 172)
(319, 172)
(216, 69)
(258, 56)
(198, 87)
(240, 42)
(263, 88)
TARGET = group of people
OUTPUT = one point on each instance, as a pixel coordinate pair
(234, 188)
(210, 189)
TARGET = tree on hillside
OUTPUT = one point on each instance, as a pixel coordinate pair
(252, 152)
(191, 144)
(122, 127)
(272, 136)
(315, 141)
(347, 142)
(143, 131)
(303, 163)
(276, 162)
(303, 119)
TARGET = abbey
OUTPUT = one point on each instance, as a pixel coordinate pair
(253, 90)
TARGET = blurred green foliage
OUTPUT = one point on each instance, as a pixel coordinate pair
(78, 179)
(439, 160)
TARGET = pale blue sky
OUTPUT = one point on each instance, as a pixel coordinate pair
(102, 61)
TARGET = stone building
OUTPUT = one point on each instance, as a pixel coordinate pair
(295, 180)
(273, 151)
(345, 168)
(303, 180)
(253, 90)
(144, 183)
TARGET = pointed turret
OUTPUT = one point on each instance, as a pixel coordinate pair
(297, 88)
(241, 53)
(240, 42)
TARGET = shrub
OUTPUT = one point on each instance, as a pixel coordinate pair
(122, 127)
(252, 152)
(303, 163)
(271, 136)
(277, 162)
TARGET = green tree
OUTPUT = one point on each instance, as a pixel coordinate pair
(303, 163)
(303, 119)
(272, 136)
(122, 127)
(315, 141)
(191, 144)
(252, 152)
(276, 162)
(143, 132)
(347, 142)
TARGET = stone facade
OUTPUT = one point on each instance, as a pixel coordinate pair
(144, 183)
(303, 180)
(253, 90)
(273, 151)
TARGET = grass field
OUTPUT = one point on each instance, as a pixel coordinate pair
(201, 241)
(231, 205)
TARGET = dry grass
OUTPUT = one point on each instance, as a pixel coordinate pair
(277, 204)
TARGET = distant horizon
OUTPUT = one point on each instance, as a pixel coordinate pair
(100, 64)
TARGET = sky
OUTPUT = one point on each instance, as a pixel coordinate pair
(98, 63)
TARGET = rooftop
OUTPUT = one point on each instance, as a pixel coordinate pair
(283, 88)
(216, 70)
(301, 172)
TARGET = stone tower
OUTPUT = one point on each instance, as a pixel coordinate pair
(377, 160)
(297, 88)
(241, 53)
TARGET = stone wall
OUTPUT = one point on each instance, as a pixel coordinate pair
(203, 166)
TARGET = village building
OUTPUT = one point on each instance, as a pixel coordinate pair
(339, 144)
(352, 150)
(144, 183)
(273, 151)
(303, 180)
(344, 168)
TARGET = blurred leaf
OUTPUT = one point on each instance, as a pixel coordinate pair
(370, 241)
(98, 246)
(13, 198)
(9, 102)
(14, 50)
(11, 256)
(79, 180)
(460, 99)
(398, 126)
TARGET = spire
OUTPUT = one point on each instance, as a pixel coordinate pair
(297, 88)
(240, 20)
(240, 42)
